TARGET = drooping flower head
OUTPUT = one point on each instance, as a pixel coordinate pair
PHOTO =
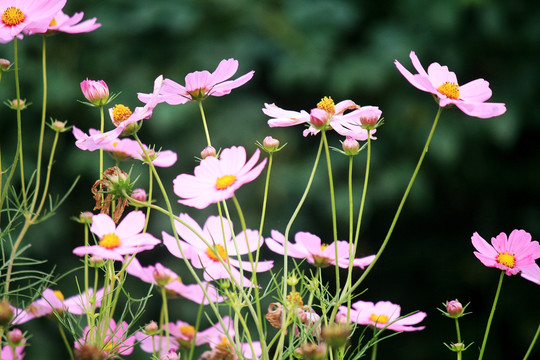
(201, 84)
(31, 17)
(381, 315)
(310, 247)
(215, 179)
(217, 233)
(512, 254)
(116, 241)
(72, 24)
(438, 80)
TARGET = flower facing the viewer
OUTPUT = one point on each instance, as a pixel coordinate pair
(215, 179)
(72, 24)
(381, 315)
(201, 84)
(438, 80)
(308, 246)
(217, 233)
(117, 241)
(512, 254)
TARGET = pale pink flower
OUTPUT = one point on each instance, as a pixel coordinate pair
(31, 17)
(201, 84)
(149, 344)
(96, 140)
(162, 276)
(117, 241)
(513, 254)
(354, 125)
(308, 246)
(97, 92)
(7, 353)
(438, 80)
(117, 340)
(72, 24)
(216, 179)
(382, 315)
(217, 233)
(54, 301)
(326, 115)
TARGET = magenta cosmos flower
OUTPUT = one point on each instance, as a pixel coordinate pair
(218, 235)
(438, 80)
(28, 16)
(215, 179)
(117, 340)
(72, 24)
(513, 254)
(326, 115)
(381, 315)
(117, 241)
(308, 246)
(162, 276)
(201, 84)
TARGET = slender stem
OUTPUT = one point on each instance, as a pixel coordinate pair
(458, 338)
(488, 326)
(374, 350)
(19, 121)
(166, 316)
(204, 124)
(64, 338)
(532, 343)
(102, 129)
(47, 178)
(149, 199)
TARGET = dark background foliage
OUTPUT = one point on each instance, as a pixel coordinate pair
(480, 175)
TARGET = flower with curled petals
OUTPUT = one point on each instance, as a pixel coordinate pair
(116, 241)
(201, 84)
(512, 254)
(72, 24)
(216, 179)
(438, 80)
(216, 255)
(382, 315)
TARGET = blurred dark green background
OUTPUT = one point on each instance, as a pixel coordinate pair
(479, 175)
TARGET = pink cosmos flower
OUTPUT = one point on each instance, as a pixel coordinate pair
(150, 344)
(28, 16)
(513, 254)
(326, 115)
(7, 352)
(162, 276)
(216, 232)
(309, 246)
(355, 126)
(201, 84)
(438, 80)
(97, 92)
(96, 140)
(72, 25)
(117, 340)
(382, 315)
(54, 301)
(117, 241)
(215, 179)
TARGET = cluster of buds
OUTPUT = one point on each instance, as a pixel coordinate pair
(115, 185)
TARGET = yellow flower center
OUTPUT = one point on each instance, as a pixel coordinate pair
(327, 104)
(507, 259)
(187, 330)
(13, 16)
(295, 298)
(379, 319)
(225, 181)
(323, 247)
(59, 294)
(450, 90)
(213, 253)
(120, 113)
(224, 345)
(53, 22)
(110, 241)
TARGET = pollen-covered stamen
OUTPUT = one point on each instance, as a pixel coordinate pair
(506, 259)
(450, 90)
(213, 253)
(187, 330)
(120, 113)
(13, 16)
(53, 22)
(110, 241)
(295, 298)
(59, 294)
(323, 247)
(225, 181)
(327, 104)
(379, 319)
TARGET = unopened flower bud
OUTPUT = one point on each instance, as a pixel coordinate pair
(171, 355)
(19, 104)
(454, 308)
(139, 195)
(458, 347)
(270, 144)
(208, 151)
(4, 64)
(97, 92)
(15, 337)
(6, 313)
(292, 280)
(96, 261)
(59, 126)
(151, 329)
(319, 118)
(310, 351)
(369, 116)
(336, 335)
(86, 217)
(350, 146)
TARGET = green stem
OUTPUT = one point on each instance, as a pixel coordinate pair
(102, 129)
(19, 122)
(488, 326)
(204, 124)
(458, 338)
(374, 350)
(64, 338)
(166, 315)
(532, 343)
